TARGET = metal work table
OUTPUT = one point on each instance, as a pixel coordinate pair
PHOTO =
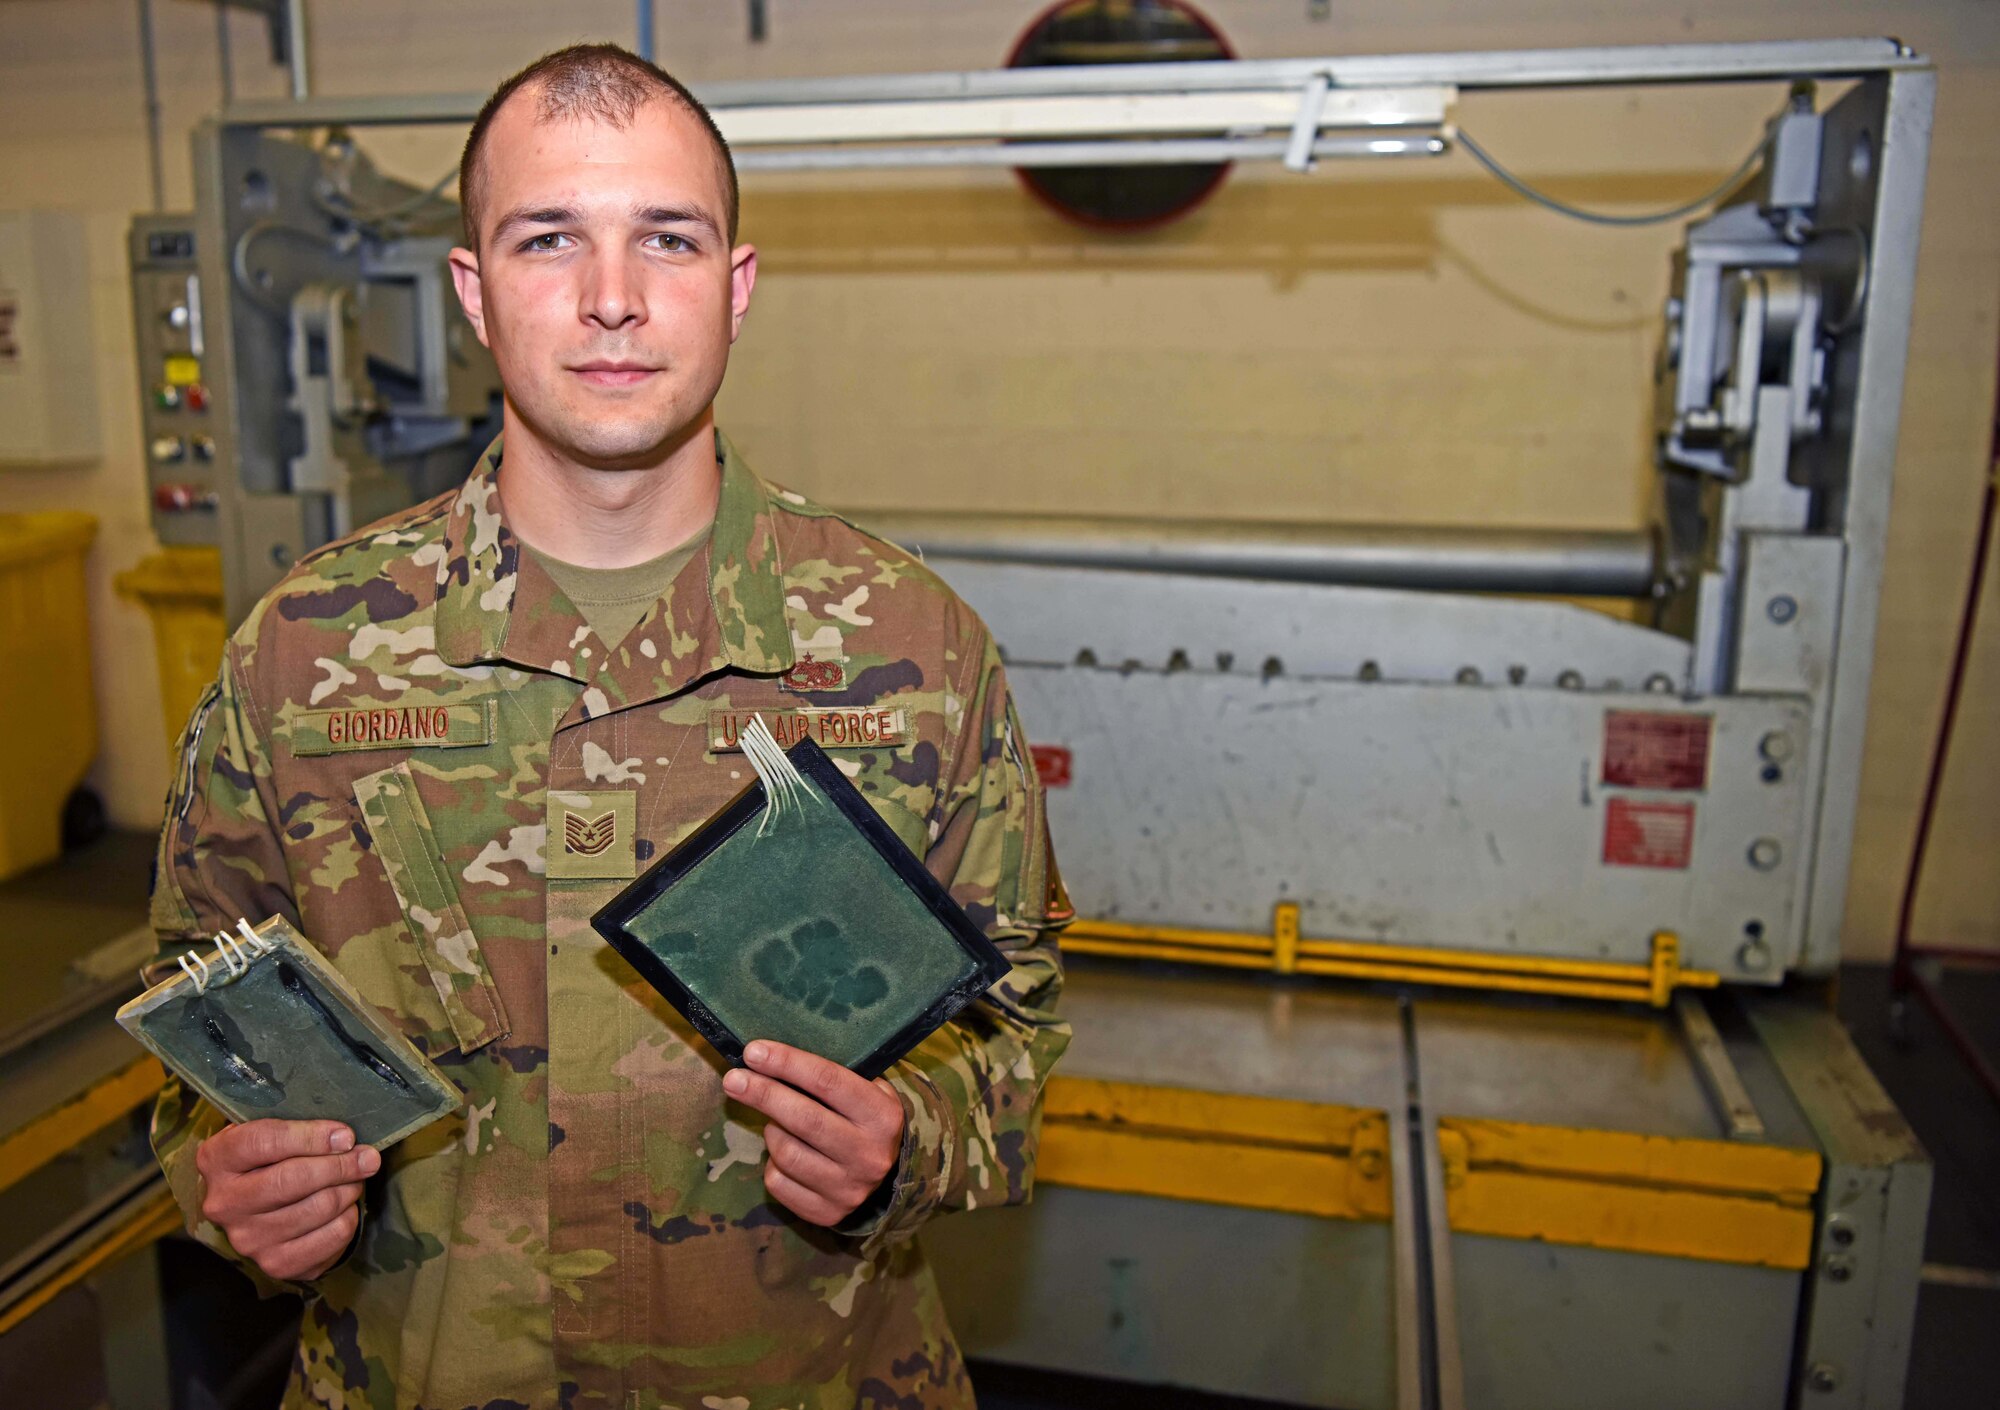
(1592, 1210)
(1310, 1044)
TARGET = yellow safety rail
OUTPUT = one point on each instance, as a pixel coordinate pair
(1285, 951)
(34, 1145)
(1716, 1201)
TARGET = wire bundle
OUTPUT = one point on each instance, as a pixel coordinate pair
(783, 787)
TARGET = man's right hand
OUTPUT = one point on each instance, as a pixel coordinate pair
(286, 1192)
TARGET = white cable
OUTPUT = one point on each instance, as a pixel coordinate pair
(190, 962)
(231, 954)
(257, 943)
(783, 788)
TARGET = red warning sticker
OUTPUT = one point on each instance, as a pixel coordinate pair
(1052, 764)
(1650, 749)
(1648, 834)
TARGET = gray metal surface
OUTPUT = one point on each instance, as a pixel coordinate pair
(1229, 1033)
(1406, 1275)
(1604, 1067)
(1861, 1291)
(1787, 643)
(1551, 1327)
(1422, 1228)
(1889, 119)
(1244, 1302)
(1420, 814)
(1162, 621)
(1293, 1309)
(1577, 563)
(1446, 1333)
(286, 282)
(1303, 1310)
(1718, 1073)
(260, 528)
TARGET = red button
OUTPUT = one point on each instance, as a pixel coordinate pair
(178, 499)
(195, 397)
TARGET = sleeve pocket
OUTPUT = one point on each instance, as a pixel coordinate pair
(401, 829)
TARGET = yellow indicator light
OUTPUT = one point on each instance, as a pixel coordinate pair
(183, 371)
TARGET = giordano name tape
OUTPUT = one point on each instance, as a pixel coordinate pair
(454, 726)
(874, 727)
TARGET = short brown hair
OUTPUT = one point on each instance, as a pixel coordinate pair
(600, 81)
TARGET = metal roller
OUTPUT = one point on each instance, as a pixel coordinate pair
(1581, 563)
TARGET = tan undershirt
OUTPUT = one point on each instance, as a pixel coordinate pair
(612, 600)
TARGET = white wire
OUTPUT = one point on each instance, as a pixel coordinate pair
(783, 788)
(257, 943)
(230, 952)
(190, 962)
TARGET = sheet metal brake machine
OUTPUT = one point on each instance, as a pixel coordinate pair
(1589, 1134)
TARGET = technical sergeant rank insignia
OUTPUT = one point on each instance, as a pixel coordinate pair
(810, 674)
(592, 835)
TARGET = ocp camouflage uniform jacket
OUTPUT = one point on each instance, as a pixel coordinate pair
(591, 1229)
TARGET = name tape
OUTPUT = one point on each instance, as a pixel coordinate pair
(393, 727)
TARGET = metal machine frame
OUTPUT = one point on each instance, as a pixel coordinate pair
(1331, 1146)
(1777, 432)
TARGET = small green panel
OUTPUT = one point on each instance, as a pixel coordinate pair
(287, 1038)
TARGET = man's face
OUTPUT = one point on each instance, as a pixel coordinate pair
(604, 283)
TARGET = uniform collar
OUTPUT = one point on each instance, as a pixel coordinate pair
(726, 610)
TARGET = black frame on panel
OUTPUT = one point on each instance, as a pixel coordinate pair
(614, 919)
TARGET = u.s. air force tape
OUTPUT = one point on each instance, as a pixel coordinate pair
(869, 727)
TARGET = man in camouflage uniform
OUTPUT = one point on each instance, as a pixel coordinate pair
(399, 734)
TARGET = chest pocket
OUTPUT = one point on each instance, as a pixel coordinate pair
(408, 847)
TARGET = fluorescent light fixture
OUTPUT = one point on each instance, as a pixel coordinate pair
(1176, 122)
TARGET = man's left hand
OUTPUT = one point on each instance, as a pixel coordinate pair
(833, 1136)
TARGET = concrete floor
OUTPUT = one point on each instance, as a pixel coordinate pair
(1956, 1360)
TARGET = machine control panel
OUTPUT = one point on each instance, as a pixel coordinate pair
(178, 412)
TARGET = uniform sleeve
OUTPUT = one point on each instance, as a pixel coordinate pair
(972, 1091)
(219, 859)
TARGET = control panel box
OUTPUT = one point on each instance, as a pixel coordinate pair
(48, 366)
(179, 416)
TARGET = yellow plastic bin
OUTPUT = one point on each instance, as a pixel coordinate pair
(48, 705)
(181, 589)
